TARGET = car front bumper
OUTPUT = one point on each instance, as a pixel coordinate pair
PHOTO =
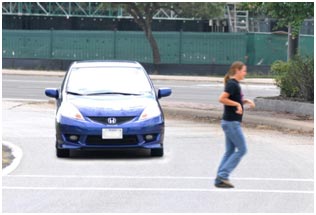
(89, 134)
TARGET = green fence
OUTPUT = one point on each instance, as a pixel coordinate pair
(174, 47)
(306, 44)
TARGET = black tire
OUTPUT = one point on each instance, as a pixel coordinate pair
(156, 152)
(62, 153)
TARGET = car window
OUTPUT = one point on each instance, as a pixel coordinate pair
(107, 80)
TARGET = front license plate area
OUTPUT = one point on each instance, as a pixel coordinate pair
(112, 133)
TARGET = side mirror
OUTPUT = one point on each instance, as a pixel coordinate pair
(164, 92)
(52, 92)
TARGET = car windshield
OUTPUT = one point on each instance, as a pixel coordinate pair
(108, 80)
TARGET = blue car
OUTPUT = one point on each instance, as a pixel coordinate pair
(108, 105)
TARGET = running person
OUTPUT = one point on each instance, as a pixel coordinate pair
(233, 101)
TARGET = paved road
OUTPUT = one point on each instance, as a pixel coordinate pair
(32, 87)
(275, 176)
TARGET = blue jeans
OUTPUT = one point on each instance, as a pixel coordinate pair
(235, 148)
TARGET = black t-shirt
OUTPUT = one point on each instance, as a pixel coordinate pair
(233, 88)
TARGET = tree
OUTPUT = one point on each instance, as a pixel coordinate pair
(290, 14)
(143, 13)
(200, 10)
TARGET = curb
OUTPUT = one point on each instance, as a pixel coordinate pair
(17, 153)
(261, 81)
(32, 72)
(248, 120)
(293, 107)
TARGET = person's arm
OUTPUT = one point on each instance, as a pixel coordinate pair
(249, 102)
(224, 99)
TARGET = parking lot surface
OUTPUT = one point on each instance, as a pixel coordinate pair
(275, 176)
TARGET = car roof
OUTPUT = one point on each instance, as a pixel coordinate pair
(105, 63)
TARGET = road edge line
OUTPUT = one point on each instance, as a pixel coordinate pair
(144, 189)
(17, 153)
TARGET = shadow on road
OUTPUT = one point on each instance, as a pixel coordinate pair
(111, 154)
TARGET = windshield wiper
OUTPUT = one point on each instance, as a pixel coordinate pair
(74, 93)
(112, 93)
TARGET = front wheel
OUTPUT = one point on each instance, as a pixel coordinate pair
(156, 152)
(62, 153)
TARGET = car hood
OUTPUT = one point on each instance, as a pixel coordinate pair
(111, 105)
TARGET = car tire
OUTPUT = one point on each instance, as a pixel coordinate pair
(156, 152)
(62, 153)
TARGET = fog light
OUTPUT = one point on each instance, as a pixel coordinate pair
(73, 138)
(149, 137)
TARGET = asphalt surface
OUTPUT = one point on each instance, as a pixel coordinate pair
(275, 176)
(32, 87)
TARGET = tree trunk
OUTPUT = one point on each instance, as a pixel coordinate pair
(292, 44)
(155, 50)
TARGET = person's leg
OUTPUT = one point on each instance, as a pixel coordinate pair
(236, 136)
(229, 149)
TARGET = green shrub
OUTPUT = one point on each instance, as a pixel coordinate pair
(295, 78)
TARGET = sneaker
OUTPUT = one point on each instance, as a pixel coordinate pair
(224, 183)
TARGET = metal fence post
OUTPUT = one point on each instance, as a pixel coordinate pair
(51, 44)
(114, 43)
(180, 46)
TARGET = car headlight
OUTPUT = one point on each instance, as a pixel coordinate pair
(70, 111)
(150, 111)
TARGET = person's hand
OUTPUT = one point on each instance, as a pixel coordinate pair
(251, 103)
(239, 109)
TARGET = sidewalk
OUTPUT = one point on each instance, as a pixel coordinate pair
(153, 77)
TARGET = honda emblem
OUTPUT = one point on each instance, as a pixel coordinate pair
(112, 120)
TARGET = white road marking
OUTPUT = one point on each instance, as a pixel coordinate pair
(157, 189)
(158, 177)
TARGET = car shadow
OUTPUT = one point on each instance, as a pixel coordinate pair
(111, 154)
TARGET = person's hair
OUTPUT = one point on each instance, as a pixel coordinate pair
(237, 65)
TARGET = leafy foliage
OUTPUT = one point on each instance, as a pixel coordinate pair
(287, 13)
(295, 77)
(200, 10)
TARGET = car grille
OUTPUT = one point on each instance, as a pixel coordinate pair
(97, 140)
(118, 120)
